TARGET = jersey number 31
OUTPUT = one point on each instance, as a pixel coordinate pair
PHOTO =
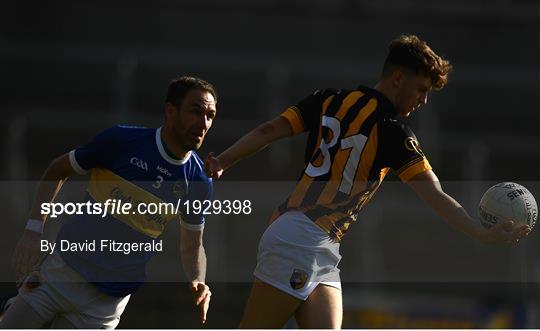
(355, 143)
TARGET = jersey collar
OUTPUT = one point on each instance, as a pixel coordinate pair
(164, 154)
(385, 103)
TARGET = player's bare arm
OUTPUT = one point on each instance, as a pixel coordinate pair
(194, 264)
(27, 252)
(428, 187)
(249, 144)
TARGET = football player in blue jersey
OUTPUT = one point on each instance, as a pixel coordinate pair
(90, 288)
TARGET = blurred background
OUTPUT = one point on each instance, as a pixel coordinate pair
(73, 68)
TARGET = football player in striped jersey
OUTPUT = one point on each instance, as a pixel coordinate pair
(354, 138)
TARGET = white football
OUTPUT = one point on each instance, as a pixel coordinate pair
(507, 201)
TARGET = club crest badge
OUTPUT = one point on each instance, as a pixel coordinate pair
(298, 279)
(412, 145)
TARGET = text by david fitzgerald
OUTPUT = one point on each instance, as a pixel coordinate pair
(102, 246)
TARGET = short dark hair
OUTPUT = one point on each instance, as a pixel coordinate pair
(179, 87)
(408, 51)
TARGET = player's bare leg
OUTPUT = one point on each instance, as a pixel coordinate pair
(323, 309)
(268, 307)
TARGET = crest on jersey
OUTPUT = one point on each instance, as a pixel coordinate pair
(298, 279)
(178, 189)
(412, 145)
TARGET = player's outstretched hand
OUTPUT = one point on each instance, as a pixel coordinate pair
(519, 232)
(201, 294)
(212, 166)
(506, 233)
(27, 254)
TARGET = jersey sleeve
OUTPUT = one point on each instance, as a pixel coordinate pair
(304, 116)
(202, 191)
(402, 151)
(96, 153)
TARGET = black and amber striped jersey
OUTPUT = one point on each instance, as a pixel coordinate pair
(355, 137)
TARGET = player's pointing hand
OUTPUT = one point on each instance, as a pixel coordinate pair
(212, 166)
(201, 294)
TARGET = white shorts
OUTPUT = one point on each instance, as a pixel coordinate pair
(63, 291)
(295, 256)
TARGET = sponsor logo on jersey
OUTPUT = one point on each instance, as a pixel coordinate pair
(163, 171)
(298, 279)
(139, 163)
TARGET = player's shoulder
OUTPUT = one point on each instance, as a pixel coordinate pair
(197, 168)
(337, 94)
(394, 122)
(384, 104)
(395, 127)
(326, 92)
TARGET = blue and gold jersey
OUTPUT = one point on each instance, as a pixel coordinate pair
(129, 164)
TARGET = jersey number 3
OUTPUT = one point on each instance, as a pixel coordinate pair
(355, 143)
